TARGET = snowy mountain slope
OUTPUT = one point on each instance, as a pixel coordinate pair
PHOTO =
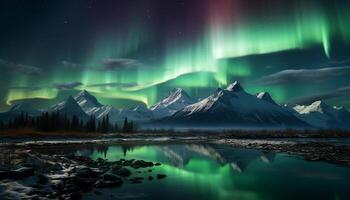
(136, 114)
(176, 100)
(17, 110)
(266, 96)
(69, 108)
(87, 102)
(235, 107)
(91, 106)
(321, 115)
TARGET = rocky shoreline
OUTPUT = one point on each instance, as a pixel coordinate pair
(39, 176)
(311, 151)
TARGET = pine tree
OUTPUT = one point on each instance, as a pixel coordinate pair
(131, 127)
(2, 126)
(125, 125)
(107, 128)
(116, 128)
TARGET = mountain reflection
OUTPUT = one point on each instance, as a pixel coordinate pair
(181, 155)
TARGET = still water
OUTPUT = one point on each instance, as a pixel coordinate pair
(221, 172)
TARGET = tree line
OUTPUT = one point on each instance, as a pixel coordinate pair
(55, 121)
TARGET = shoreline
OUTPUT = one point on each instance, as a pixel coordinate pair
(333, 150)
(56, 170)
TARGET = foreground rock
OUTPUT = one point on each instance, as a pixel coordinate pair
(20, 173)
(40, 176)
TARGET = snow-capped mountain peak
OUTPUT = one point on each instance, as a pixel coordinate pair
(177, 94)
(321, 115)
(87, 102)
(266, 96)
(70, 108)
(176, 100)
(141, 109)
(235, 107)
(67, 104)
(235, 87)
(317, 106)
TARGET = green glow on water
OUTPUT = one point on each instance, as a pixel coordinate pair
(201, 175)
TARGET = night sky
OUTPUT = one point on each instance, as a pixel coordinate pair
(135, 51)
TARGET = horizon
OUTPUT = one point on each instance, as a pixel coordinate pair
(15, 104)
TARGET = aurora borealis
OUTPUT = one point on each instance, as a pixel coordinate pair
(133, 52)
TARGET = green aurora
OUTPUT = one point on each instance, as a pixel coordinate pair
(210, 59)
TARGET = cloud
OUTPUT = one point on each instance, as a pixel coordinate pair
(322, 95)
(302, 75)
(70, 65)
(111, 64)
(69, 85)
(20, 68)
(113, 84)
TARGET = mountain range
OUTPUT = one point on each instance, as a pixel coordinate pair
(231, 107)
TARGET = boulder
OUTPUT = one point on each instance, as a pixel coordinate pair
(42, 179)
(86, 172)
(110, 177)
(140, 164)
(161, 176)
(123, 172)
(108, 184)
(17, 174)
(137, 179)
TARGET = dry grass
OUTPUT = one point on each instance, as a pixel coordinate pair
(27, 132)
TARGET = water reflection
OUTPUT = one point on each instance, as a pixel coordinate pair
(180, 155)
(210, 171)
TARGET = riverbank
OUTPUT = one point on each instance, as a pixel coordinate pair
(311, 150)
(34, 175)
(274, 133)
(63, 169)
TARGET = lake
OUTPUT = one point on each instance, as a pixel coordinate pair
(216, 171)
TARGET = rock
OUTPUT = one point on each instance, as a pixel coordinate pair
(110, 177)
(74, 196)
(5, 174)
(43, 163)
(108, 184)
(98, 192)
(42, 179)
(161, 176)
(101, 162)
(85, 172)
(137, 179)
(115, 168)
(128, 162)
(140, 164)
(3, 168)
(17, 174)
(56, 167)
(24, 172)
(124, 172)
